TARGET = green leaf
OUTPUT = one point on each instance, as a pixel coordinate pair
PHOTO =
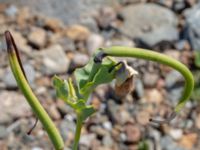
(94, 74)
(83, 110)
(64, 90)
(197, 59)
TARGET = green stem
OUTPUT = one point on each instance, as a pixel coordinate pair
(37, 108)
(78, 132)
(119, 51)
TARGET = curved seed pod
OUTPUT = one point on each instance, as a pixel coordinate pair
(120, 51)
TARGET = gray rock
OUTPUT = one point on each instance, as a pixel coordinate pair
(3, 132)
(86, 139)
(54, 60)
(164, 33)
(172, 78)
(10, 81)
(168, 144)
(139, 88)
(192, 32)
(11, 11)
(62, 9)
(37, 148)
(13, 106)
(94, 42)
(175, 95)
(65, 127)
(90, 23)
(150, 79)
(107, 141)
(146, 17)
(79, 60)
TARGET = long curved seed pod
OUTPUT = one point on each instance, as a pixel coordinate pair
(119, 51)
(19, 74)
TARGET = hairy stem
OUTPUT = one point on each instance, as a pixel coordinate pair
(22, 82)
(120, 51)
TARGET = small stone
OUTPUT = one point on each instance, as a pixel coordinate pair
(139, 88)
(53, 24)
(105, 17)
(197, 121)
(150, 79)
(79, 60)
(37, 148)
(94, 42)
(143, 117)
(107, 141)
(11, 11)
(173, 53)
(153, 96)
(167, 143)
(3, 132)
(189, 140)
(13, 106)
(54, 60)
(107, 125)
(191, 28)
(96, 103)
(132, 132)
(163, 33)
(151, 17)
(124, 116)
(86, 139)
(90, 23)
(53, 112)
(10, 81)
(37, 37)
(77, 32)
(172, 78)
(176, 134)
(66, 128)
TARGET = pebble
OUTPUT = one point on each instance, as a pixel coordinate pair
(107, 141)
(153, 96)
(94, 42)
(37, 37)
(53, 112)
(150, 79)
(37, 148)
(172, 78)
(141, 18)
(51, 63)
(14, 106)
(142, 118)
(164, 33)
(77, 33)
(168, 144)
(107, 125)
(11, 11)
(3, 132)
(53, 24)
(132, 132)
(139, 88)
(189, 140)
(176, 134)
(197, 121)
(10, 81)
(79, 59)
(191, 28)
(86, 139)
(105, 17)
(67, 127)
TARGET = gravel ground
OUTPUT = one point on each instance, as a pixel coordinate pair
(57, 41)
